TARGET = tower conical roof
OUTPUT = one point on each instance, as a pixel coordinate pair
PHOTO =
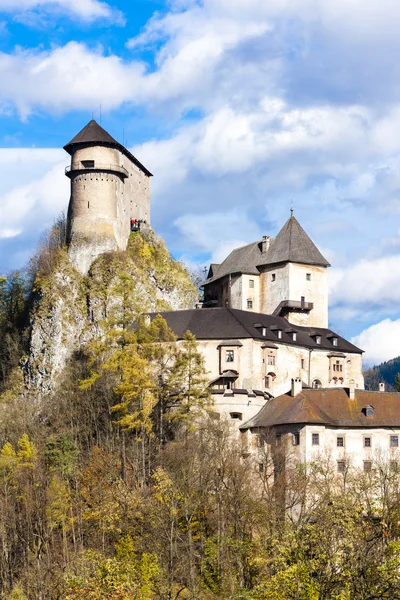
(292, 244)
(94, 134)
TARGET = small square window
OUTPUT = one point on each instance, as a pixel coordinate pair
(315, 439)
(229, 356)
(308, 276)
(249, 303)
(394, 441)
(251, 283)
(296, 439)
(340, 441)
(367, 442)
(341, 466)
(367, 466)
(236, 415)
(273, 277)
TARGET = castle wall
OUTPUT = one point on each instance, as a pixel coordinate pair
(290, 282)
(250, 361)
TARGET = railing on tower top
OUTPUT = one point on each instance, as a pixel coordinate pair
(97, 167)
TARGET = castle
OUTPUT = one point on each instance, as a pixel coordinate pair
(275, 367)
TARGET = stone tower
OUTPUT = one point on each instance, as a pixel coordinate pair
(109, 189)
(293, 278)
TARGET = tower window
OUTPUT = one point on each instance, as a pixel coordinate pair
(315, 439)
(249, 303)
(302, 363)
(273, 277)
(296, 439)
(251, 283)
(308, 276)
(87, 164)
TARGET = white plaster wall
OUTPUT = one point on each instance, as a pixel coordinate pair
(315, 290)
(273, 292)
(250, 361)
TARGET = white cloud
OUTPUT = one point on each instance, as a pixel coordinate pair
(380, 341)
(367, 283)
(87, 10)
(28, 208)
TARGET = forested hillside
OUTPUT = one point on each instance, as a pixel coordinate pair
(118, 481)
(385, 372)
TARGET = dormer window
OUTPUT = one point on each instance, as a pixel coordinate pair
(229, 356)
(264, 331)
(279, 333)
(334, 341)
(318, 339)
(368, 411)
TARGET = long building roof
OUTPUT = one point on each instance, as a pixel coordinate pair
(332, 407)
(234, 324)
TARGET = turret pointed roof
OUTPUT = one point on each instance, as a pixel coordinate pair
(94, 134)
(292, 244)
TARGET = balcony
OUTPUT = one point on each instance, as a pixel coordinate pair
(287, 306)
(97, 168)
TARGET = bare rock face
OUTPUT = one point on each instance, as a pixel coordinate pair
(72, 309)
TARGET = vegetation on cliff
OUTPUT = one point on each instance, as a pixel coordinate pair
(386, 372)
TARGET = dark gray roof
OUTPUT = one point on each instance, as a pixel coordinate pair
(231, 323)
(95, 134)
(240, 260)
(292, 244)
(330, 406)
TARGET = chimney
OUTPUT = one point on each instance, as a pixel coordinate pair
(382, 387)
(297, 386)
(266, 240)
(352, 389)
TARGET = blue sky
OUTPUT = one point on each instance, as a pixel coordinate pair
(239, 108)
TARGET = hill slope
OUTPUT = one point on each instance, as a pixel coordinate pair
(385, 372)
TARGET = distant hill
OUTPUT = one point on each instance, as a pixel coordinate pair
(385, 372)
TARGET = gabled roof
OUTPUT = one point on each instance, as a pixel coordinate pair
(94, 134)
(234, 324)
(330, 406)
(240, 260)
(292, 244)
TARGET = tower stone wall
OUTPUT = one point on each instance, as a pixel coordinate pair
(109, 189)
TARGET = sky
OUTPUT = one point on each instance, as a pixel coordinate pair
(241, 109)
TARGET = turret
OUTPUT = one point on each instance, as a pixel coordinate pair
(294, 278)
(110, 193)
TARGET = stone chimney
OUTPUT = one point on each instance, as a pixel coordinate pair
(265, 243)
(297, 386)
(382, 387)
(352, 389)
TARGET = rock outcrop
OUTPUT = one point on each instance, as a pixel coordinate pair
(71, 309)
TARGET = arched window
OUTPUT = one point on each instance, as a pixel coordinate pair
(316, 383)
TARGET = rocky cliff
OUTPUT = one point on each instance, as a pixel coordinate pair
(71, 309)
